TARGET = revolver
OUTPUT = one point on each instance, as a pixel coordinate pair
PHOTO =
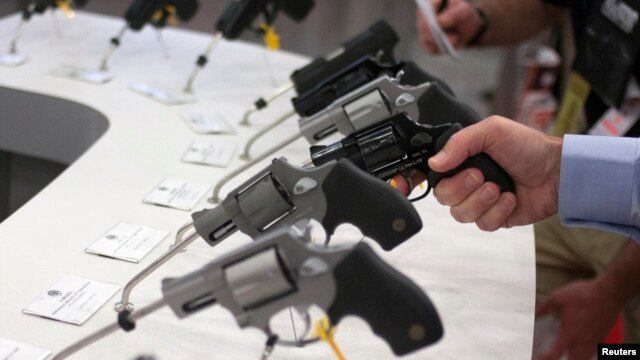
(281, 269)
(241, 15)
(377, 42)
(375, 101)
(40, 6)
(158, 13)
(333, 194)
(282, 195)
(362, 107)
(398, 143)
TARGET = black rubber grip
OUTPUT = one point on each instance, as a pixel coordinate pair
(360, 199)
(395, 307)
(238, 16)
(414, 76)
(380, 37)
(438, 107)
(185, 9)
(297, 10)
(491, 171)
(140, 13)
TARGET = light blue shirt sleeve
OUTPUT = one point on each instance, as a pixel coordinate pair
(600, 184)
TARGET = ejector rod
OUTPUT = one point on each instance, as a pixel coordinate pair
(115, 42)
(215, 197)
(262, 103)
(247, 148)
(202, 61)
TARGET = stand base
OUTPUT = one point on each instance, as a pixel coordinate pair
(80, 74)
(162, 94)
(13, 60)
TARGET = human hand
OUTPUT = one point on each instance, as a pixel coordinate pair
(587, 310)
(530, 157)
(459, 21)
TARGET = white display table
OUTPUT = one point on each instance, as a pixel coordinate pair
(482, 284)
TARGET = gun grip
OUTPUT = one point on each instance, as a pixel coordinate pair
(395, 307)
(378, 210)
(439, 107)
(491, 171)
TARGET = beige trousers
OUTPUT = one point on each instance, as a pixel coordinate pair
(567, 254)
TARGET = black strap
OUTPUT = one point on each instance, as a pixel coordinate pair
(484, 24)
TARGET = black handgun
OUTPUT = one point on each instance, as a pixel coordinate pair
(398, 143)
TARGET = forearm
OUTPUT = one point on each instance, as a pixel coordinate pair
(622, 278)
(512, 21)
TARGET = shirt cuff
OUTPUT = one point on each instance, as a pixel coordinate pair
(598, 181)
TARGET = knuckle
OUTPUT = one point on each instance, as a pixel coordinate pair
(461, 215)
(487, 225)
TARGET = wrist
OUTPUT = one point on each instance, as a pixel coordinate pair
(553, 165)
(611, 286)
(483, 25)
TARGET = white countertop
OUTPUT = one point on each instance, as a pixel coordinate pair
(483, 284)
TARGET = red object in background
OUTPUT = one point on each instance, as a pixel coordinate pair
(615, 335)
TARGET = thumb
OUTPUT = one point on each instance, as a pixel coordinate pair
(467, 142)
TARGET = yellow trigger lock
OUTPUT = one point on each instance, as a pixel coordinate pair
(65, 7)
(270, 37)
(323, 330)
(168, 13)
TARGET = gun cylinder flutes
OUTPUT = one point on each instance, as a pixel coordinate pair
(202, 61)
(215, 197)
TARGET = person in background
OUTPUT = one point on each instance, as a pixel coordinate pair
(584, 276)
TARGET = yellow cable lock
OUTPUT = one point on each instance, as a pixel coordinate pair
(322, 329)
(270, 37)
(65, 7)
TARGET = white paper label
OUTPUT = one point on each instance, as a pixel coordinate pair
(127, 242)
(209, 152)
(86, 75)
(8, 59)
(205, 123)
(177, 194)
(72, 299)
(440, 37)
(13, 350)
(162, 94)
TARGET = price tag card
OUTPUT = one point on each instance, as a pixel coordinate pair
(127, 242)
(209, 152)
(72, 299)
(13, 350)
(80, 74)
(9, 59)
(178, 194)
(207, 123)
(162, 94)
